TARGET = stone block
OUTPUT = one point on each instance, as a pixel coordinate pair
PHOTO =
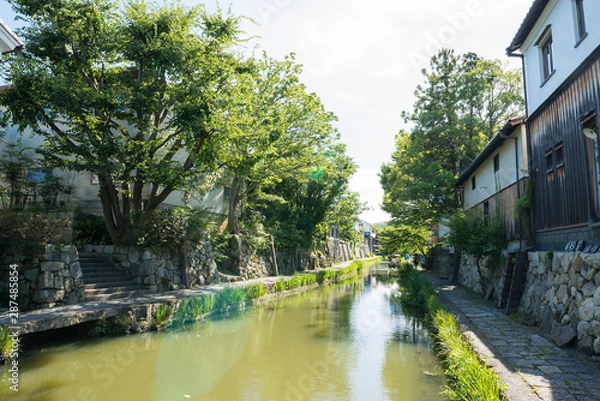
(73, 298)
(588, 290)
(562, 335)
(586, 310)
(31, 274)
(597, 346)
(24, 288)
(147, 255)
(76, 272)
(583, 329)
(68, 285)
(88, 248)
(109, 249)
(52, 266)
(160, 271)
(59, 283)
(594, 328)
(150, 280)
(562, 294)
(597, 312)
(45, 280)
(579, 281)
(597, 296)
(597, 279)
(587, 273)
(48, 296)
(586, 345)
(65, 273)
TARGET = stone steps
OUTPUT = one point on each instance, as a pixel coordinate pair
(103, 281)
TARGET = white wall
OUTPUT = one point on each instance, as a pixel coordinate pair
(561, 16)
(488, 183)
(86, 193)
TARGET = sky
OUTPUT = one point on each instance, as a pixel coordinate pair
(364, 59)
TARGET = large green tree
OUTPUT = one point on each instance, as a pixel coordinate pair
(126, 93)
(300, 211)
(274, 130)
(464, 102)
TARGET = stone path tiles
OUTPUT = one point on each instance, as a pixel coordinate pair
(532, 367)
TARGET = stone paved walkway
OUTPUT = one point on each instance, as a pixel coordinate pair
(532, 366)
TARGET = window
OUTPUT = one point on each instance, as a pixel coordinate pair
(546, 52)
(580, 28)
(555, 160)
(496, 163)
(39, 175)
(473, 183)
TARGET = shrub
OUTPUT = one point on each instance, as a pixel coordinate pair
(280, 285)
(209, 303)
(294, 282)
(163, 313)
(322, 276)
(6, 344)
(90, 229)
(170, 228)
(230, 298)
(27, 229)
(255, 291)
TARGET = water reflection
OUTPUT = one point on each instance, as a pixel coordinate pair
(339, 343)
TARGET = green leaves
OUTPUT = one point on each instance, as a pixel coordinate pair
(464, 102)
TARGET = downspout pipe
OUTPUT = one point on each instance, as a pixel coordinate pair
(511, 53)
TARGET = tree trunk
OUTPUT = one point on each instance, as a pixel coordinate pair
(234, 201)
(110, 212)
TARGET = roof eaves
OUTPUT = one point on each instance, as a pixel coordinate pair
(9, 38)
(534, 13)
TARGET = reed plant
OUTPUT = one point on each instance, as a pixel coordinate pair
(467, 377)
(6, 344)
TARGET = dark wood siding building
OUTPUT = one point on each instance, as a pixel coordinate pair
(565, 163)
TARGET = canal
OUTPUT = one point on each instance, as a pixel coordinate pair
(346, 342)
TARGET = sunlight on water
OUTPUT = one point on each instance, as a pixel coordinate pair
(345, 343)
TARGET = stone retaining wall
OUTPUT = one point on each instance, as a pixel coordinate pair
(561, 294)
(161, 270)
(48, 279)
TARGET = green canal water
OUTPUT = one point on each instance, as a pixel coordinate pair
(339, 343)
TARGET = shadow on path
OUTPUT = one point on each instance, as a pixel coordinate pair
(532, 366)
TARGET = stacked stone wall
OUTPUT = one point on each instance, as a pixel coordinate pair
(561, 294)
(47, 279)
(161, 270)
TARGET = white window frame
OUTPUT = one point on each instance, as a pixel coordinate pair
(545, 44)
